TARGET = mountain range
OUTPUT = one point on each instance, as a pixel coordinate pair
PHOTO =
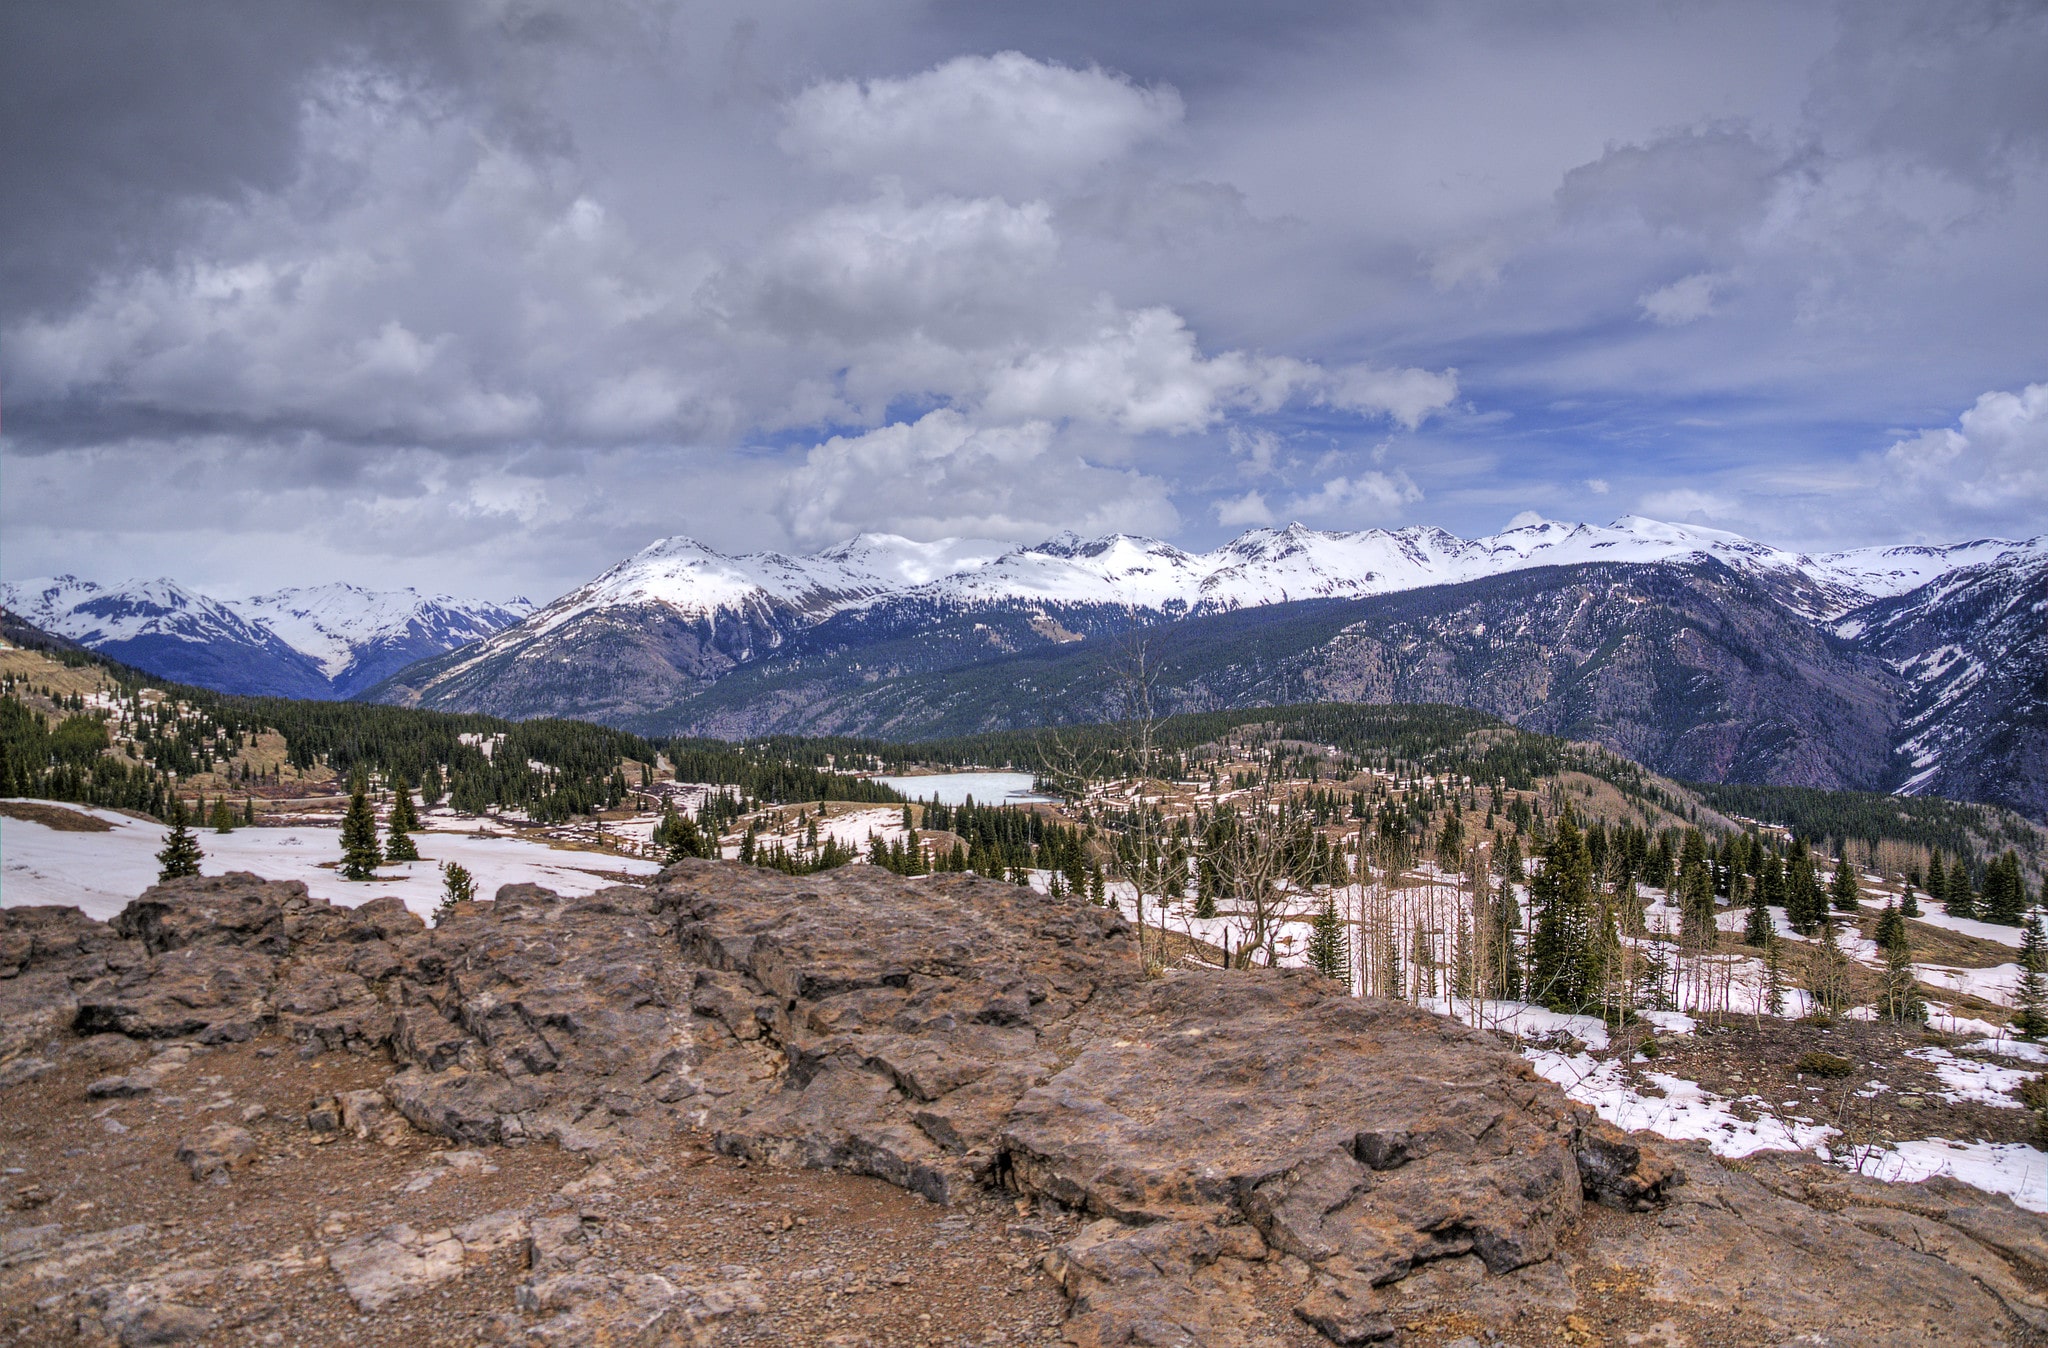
(1700, 653)
(327, 641)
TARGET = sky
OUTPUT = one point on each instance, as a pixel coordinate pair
(483, 295)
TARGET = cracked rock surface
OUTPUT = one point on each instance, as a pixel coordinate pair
(1203, 1158)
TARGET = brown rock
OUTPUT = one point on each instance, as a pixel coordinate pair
(217, 1151)
(1237, 1138)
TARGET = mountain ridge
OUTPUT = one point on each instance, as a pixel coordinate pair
(323, 641)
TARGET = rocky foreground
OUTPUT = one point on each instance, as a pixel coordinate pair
(598, 1121)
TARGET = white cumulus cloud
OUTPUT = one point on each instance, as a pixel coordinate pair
(975, 122)
(1250, 508)
(1359, 497)
(946, 475)
(1989, 471)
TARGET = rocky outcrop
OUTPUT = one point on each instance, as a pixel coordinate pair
(1228, 1138)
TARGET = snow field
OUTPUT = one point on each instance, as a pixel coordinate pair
(100, 873)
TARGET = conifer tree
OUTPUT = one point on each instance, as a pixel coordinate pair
(404, 820)
(1329, 948)
(248, 811)
(1937, 881)
(1805, 907)
(457, 886)
(1561, 893)
(1757, 928)
(2030, 1000)
(360, 856)
(677, 837)
(180, 856)
(1827, 972)
(1696, 894)
(1909, 906)
(1450, 844)
(2005, 891)
(223, 819)
(1844, 892)
(1960, 900)
(1901, 1002)
(1770, 884)
(1774, 975)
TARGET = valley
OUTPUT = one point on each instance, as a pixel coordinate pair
(1751, 973)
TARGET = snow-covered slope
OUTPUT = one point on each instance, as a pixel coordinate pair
(1971, 646)
(96, 615)
(325, 641)
(359, 636)
(1262, 566)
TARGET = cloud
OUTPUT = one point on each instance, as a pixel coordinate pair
(944, 475)
(1249, 508)
(946, 265)
(1408, 396)
(1690, 505)
(1256, 450)
(583, 274)
(1987, 472)
(1597, 485)
(979, 122)
(1706, 181)
(1361, 497)
(1683, 301)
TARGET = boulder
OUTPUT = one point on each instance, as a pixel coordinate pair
(1236, 1140)
(216, 1151)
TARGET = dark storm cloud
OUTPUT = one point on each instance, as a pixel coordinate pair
(505, 287)
(115, 116)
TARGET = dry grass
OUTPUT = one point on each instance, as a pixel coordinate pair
(54, 816)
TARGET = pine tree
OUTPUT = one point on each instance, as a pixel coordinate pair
(1329, 948)
(1696, 894)
(1845, 893)
(1774, 975)
(248, 811)
(1827, 972)
(223, 819)
(1961, 899)
(1901, 1002)
(404, 820)
(457, 886)
(1770, 884)
(1937, 881)
(180, 856)
(2005, 891)
(2030, 1000)
(1561, 893)
(1757, 929)
(359, 854)
(1805, 907)
(1909, 906)
(677, 837)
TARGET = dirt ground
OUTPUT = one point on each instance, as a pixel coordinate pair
(838, 1259)
(94, 1198)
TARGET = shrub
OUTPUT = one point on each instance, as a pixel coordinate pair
(1815, 1062)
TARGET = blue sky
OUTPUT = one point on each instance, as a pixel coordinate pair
(484, 296)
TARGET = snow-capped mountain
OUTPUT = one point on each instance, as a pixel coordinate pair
(322, 642)
(358, 637)
(1144, 575)
(1972, 648)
